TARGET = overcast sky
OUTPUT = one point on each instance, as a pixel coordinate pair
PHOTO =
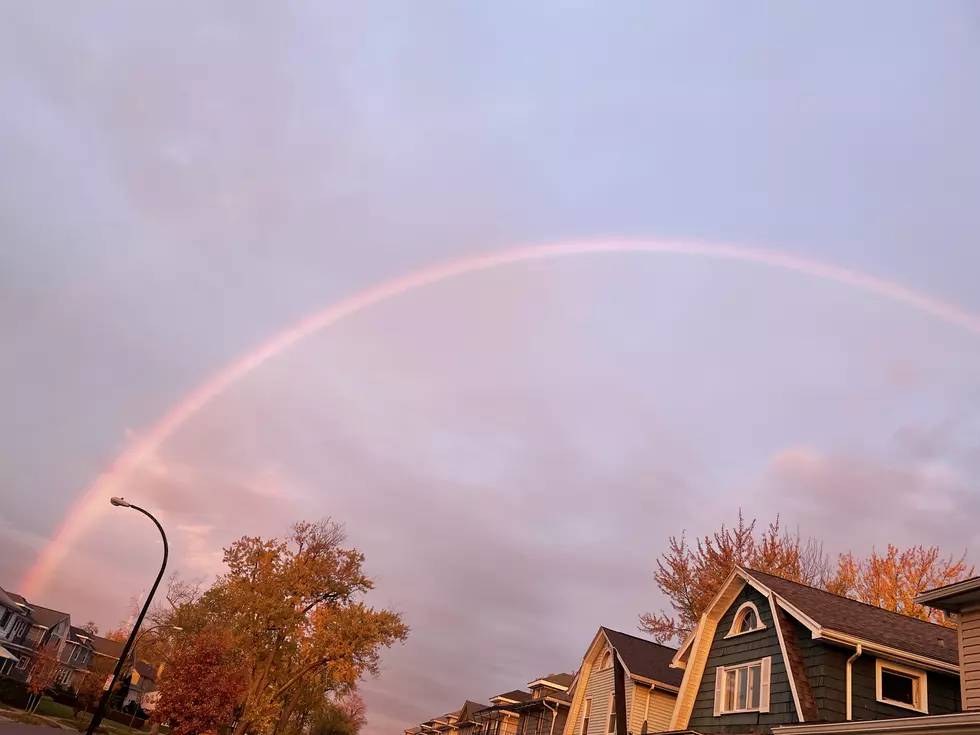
(180, 181)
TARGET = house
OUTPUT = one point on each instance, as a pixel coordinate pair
(501, 717)
(635, 671)
(770, 653)
(546, 712)
(467, 723)
(27, 629)
(75, 657)
(961, 600)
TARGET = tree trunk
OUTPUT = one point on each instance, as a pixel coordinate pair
(257, 685)
(287, 711)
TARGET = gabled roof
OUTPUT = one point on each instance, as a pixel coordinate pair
(866, 622)
(644, 658)
(468, 709)
(7, 599)
(46, 616)
(562, 681)
(515, 695)
(79, 635)
(104, 646)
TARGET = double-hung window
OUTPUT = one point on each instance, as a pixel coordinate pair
(743, 687)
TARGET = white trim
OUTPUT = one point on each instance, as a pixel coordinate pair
(921, 694)
(740, 614)
(925, 662)
(782, 650)
(724, 671)
(547, 683)
(611, 715)
(605, 661)
(962, 723)
(586, 716)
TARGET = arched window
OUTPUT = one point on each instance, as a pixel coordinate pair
(746, 620)
(606, 661)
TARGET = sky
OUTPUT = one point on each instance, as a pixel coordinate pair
(511, 449)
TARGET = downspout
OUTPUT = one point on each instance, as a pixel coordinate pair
(857, 652)
(554, 716)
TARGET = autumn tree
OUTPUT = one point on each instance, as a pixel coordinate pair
(91, 628)
(691, 575)
(90, 685)
(893, 580)
(199, 692)
(343, 717)
(119, 635)
(43, 673)
(294, 608)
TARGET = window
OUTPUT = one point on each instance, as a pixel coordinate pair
(611, 727)
(5, 618)
(902, 686)
(606, 661)
(23, 662)
(19, 627)
(586, 714)
(747, 620)
(64, 676)
(742, 688)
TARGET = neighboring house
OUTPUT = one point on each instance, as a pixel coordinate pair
(770, 652)
(142, 681)
(501, 717)
(14, 624)
(467, 724)
(961, 599)
(28, 629)
(546, 711)
(648, 683)
(76, 657)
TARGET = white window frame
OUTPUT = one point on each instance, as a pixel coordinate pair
(23, 663)
(740, 616)
(19, 627)
(586, 716)
(611, 718)
(721, 672)
(605, 661)
(920, 688)
(63, 676)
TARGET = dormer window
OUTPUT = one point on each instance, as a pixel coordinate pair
(606, 661)
(747, 620)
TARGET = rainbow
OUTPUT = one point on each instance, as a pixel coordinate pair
(93, 502)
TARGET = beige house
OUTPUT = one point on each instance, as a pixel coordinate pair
(650, 685)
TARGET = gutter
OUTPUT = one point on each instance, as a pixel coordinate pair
(959, 723)
(857, 652)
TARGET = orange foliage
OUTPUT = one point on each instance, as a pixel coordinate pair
(199, 692)
(690, 576)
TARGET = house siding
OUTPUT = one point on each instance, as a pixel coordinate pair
(742, 649)
(600, 686)
(826, 667)
(970, 658)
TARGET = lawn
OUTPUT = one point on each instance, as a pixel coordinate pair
(62, 714)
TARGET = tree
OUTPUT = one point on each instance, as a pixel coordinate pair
(43, 673)
(91, 628)
(199, 692)
(344, 717)
(690, 576)
(89, 687)
(293, 606)
(892, 581)
(119, 635)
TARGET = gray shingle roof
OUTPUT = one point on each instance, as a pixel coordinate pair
(645, 658)
(870, 623)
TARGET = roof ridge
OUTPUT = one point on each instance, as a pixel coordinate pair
(636, 637)
(849, 599)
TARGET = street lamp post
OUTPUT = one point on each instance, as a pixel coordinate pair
(104, 702)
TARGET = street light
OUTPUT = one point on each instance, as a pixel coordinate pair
(104, 702)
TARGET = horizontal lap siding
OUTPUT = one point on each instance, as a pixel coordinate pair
(599, 685)
(661, 709)
(743, 649)
(970, 659)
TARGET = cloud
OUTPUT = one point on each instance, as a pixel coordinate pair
(921, 489)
